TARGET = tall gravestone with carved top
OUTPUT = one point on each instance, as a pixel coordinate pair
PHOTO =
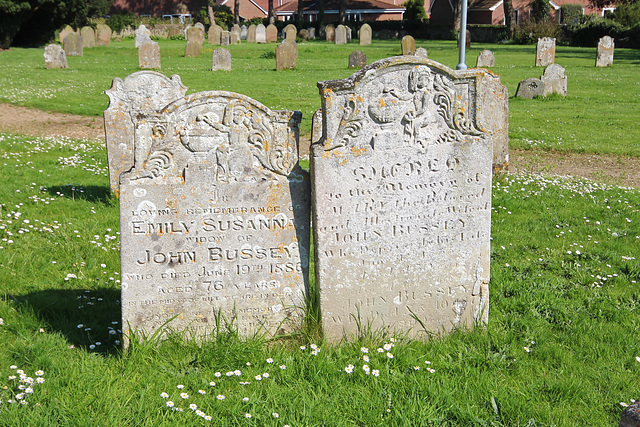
(215, 219)
(402, 200)
(545, 51)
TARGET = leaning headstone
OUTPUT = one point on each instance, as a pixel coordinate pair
(422, 53)
(408, 45)
(215, 31)
(341, 34)
(357, 59)
(195, 34)
(304, 34)
(143, 35)
(149, 56)
(290, 32)
(530, 88)
(221, 60)
(365, 35)
(225, 38)
(604, 57)
(631, 415)
(402, 201)
(88, 37)
(271, 33)
(139, 93)
(243, 32)
(261, 34)
(545, 51)
(286, 55)
(54, 57)
(312, 33)
(192, 49)
(103, 35)
(554, 80)
(66, 30)
(214, 220)
(330, 32)
(251, 34)
(486, 58)
(72, 44)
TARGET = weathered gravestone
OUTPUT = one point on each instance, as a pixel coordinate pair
(72, 44)
(215, 220)
(341, 34)
(316, 126)
(286, 55)
(545, 51)
(149, 56)
(54, 57)
(192, 49)
(66, 30)
(290, 32)
(330, 33)
(402, 200)
(312, 33)
(236, 29)
(261, 34)
(530, 88)
(143, 35)
(272, 33)
(422, 53)
(493, 96)
(234, 37)
(554, 80)
(103, 35)
(251, 34)
(173, 31)
(243, 32)
(357, 59)
(221, 60)
(88, 37)
(195, 34)
(631, 415)
(349, 33)
(486, 58)
(365, 35)
(408, 45)
(139, 93)
(304, 34)
(214, 34)
(604, 56)
(225, 38)
(201, 26)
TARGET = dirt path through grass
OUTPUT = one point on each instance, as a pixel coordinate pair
(624, 171)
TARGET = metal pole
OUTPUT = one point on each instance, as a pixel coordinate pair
(463, 37)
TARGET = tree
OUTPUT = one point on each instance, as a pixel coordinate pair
(414, 10)
(342, 12)
(34, 22)
(540, 10)
(98, 8)
(605, 3)
(270, 16)
(508, 16)
(300, 17)
(236, 11)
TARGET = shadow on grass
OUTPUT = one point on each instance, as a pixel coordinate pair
(84, 317)
(90, 193)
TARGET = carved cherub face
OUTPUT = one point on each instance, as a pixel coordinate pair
(419, 80)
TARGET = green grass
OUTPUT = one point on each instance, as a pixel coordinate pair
(564, 286)
(599, 115)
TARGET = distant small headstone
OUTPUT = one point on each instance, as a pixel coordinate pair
(530, 88)
(200, 25)
(304, 34)
(422, 53)
(139, 93)
(234, 37)
(251, 34)
(261, 34)
(236, 28)
(195, 34)
(545, 51)
(312, 33)
(149, 56)
(54, 57)
(214, 34)
(330, 33)
(72, 44)
(286, 55)
(215, 220)
(604, 56)
(174, 30)
(272, 33)
(221, 60)
(322, 33)
(66, 30)
(631, 415)
(467, 40)
(243, 32)
(402, 193)
(225, 38)
(349, 33)
(554, 80)
(408, 45)
(103, 35)
(143, 35)
(341, 34)
(365, 35)
(486, 58)
(290, 32)
(357, 59)
(88, 37)
(192, 49)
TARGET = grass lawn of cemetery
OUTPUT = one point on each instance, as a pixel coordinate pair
(560, 348)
